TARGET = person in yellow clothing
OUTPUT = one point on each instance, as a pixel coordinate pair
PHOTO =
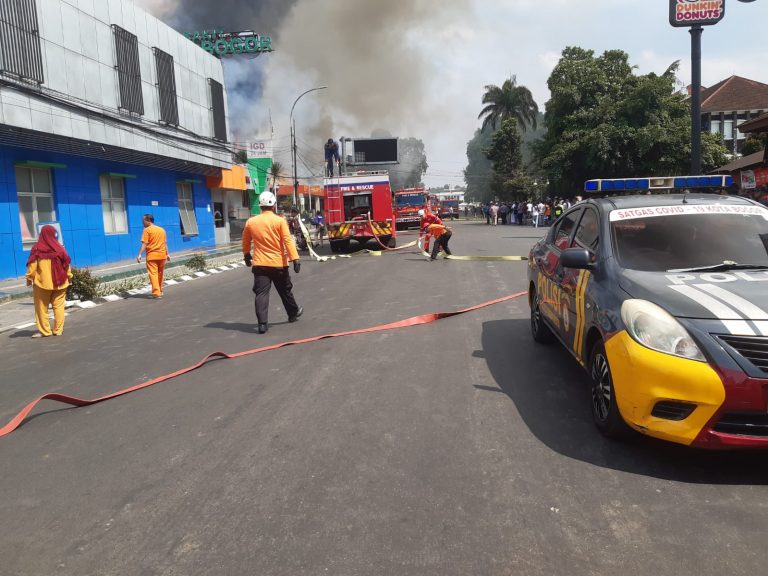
(48, 272)
(273, 248)
(153, 241)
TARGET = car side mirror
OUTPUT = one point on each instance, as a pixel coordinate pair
(577, 258)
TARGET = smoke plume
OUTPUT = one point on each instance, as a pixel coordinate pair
(375, 56)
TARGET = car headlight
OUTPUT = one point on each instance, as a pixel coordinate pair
(657, 329)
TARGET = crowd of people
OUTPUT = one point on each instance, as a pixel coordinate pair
(523, 213)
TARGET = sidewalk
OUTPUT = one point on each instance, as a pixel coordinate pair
(16, 308)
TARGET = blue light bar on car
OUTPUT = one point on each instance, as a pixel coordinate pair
(657, 183)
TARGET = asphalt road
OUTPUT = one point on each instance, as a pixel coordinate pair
(459, 447)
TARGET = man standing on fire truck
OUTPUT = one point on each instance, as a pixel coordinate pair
(273, 248)
(431, 225)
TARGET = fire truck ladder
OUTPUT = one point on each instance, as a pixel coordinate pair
(335, 198)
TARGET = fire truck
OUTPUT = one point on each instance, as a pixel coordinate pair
(349, 200)
(449, 207)
(408, 202)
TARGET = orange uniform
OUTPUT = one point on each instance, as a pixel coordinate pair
(431, 226)
(273, 245)
(154, 239)
(46, 294)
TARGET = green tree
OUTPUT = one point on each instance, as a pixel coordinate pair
(508, 101)
(603, 121)
(276, 172)
(412, 166)
(754, 143)
(479, 170)
(508, 180)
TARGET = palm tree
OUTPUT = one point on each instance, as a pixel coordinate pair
(275, 172)
(509, 101)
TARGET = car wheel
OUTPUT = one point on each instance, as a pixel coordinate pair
(539, 330)
(605, 409)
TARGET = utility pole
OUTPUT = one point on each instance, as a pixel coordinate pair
(690, 15)
(696, 33)
(293, 142)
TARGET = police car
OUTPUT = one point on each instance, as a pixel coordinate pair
(663, 299)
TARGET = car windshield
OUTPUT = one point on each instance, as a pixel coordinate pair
(410, 200)
(660, 243)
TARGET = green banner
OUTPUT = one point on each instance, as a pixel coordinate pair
(259, 171)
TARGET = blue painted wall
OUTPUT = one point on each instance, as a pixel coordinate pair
(77, 199)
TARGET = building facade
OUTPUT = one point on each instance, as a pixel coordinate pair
(106, 114)
(728, 104)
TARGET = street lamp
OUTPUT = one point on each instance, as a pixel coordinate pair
(293, 143)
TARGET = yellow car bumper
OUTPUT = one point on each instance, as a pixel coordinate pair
(642, 377)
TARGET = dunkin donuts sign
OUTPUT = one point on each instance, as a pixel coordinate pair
(685, 13)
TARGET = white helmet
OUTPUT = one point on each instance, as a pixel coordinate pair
(267, 199)
(421, 212)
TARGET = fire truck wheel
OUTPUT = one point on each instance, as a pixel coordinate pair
(389, 241)
(339, 245)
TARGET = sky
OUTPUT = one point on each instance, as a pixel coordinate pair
(417, 68)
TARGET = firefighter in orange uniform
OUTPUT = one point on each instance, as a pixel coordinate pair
(432, 226)
(153, 240)
(273, 247)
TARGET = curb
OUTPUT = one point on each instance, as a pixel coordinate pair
(74, 305)
(6, 297)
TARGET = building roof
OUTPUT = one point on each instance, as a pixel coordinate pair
(744, 162)
(735, 93)
(759, 124)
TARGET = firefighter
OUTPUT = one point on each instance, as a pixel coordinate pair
(331, 156)
(295, 227)
(431, 225)
(273, 248)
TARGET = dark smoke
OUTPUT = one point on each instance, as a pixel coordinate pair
(370, 54)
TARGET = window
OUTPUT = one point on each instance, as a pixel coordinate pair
(739, 134)
(20, 52)
(588, 232)
(728, 130)
(217, 106)
(667, 243)
(128, 71)
(186, 209)
(166, 86)
(113, 205)
(35, 191)
(715, 127)
(562, 234)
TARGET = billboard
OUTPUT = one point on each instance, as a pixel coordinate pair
(259, 154)
(375, 151)
(221, 43)
(685, 13)
(255, 148)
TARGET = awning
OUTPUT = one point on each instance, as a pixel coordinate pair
(755, 159)
(228, 179)
(759, 124)
(302, 190)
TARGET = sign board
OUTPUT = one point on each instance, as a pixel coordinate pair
(375, 151)
(220, 43)
(748, 180)
(686, 13)
(256, 148)
(56, 225)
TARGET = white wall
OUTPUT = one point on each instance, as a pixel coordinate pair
(79, 61)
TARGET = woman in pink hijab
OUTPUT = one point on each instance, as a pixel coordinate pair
(48, 272)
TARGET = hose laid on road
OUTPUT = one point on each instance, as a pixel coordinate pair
(17, 420)
(480, 258)
(384, 246)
